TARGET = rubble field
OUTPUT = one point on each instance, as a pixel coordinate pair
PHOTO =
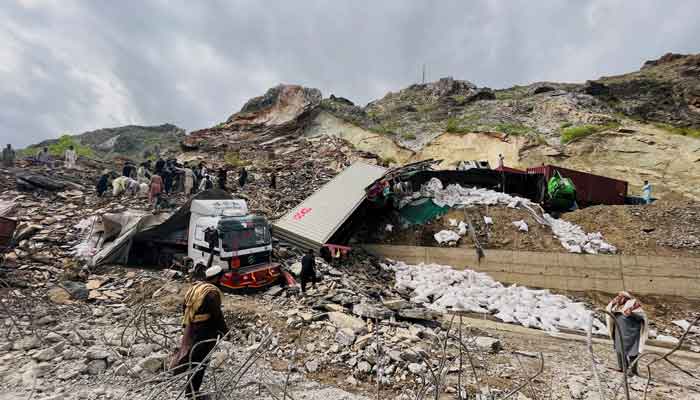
(70, 331)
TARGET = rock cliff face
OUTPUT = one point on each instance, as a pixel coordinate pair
(642, 125)
(284, 109)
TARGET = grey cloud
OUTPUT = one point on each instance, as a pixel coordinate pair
(76, 66)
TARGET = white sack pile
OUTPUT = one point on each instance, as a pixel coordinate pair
(442, 288)
(571, 236)
(446, 237)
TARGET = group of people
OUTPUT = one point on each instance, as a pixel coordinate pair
(165, 177)
(43, 157)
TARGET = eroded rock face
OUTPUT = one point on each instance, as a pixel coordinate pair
(281, 104)
(284, 109)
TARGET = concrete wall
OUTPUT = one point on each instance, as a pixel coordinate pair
(579, 272)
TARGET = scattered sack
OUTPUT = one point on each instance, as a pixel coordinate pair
(521, 225)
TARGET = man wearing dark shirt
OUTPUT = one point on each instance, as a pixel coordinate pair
(308, 270)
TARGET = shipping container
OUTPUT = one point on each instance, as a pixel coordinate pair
(509, 169)
(590, 189)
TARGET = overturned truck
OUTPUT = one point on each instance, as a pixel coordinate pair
(211, 228)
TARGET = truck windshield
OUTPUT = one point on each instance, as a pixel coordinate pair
(241, 239)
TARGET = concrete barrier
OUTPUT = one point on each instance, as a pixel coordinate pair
(649, 275)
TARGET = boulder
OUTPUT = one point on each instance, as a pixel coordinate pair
(487, 344)
(416, 368)
(71, 354)
(142, 349)
(77, 290)
(333, 307)
(97, 353)
(27, 343)
(46, 320)
(45, 355)
(218, 359)
(311, 366)
(341, 320)
(53, 337)
(153, 363)
(345, 336)
(58, 295)
(419, 314)
(396, 304)
(96, 367)
(371, 311)
(364, 367)
(410, 356)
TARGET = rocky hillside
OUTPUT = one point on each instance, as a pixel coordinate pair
(637, 126)
(131, 141)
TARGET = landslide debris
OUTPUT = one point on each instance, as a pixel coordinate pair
(664, 228)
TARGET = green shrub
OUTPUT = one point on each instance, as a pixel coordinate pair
(408, 136)
(455, 125)
(565, 125)
(512, 129)
(679, 130)
(233, 158)
(575, 132)
(59, 147)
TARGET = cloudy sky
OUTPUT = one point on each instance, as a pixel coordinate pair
(72, 66)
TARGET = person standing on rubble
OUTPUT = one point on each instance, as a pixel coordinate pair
(206, 183)
(203, 323)
(273, 180)
(308, 270)
(129, 170)
(70, 157)
(242, 177)
(102, 183)
(8, 156)
(160, 164)
(646, 190)
(221, 177)
(167, 175)
(189, 180)
(633, 330)
(43, 157)
(142, 174)
(501, 160)
(156, 189)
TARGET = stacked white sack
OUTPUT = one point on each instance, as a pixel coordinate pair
(571, 236)
(442, 288)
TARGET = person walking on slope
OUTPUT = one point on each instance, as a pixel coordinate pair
(633, 330)
(8, 156)
(242, 177)
(646, 190)
(203, 323)
(70, 157)
(273, 180)
(308, 270)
